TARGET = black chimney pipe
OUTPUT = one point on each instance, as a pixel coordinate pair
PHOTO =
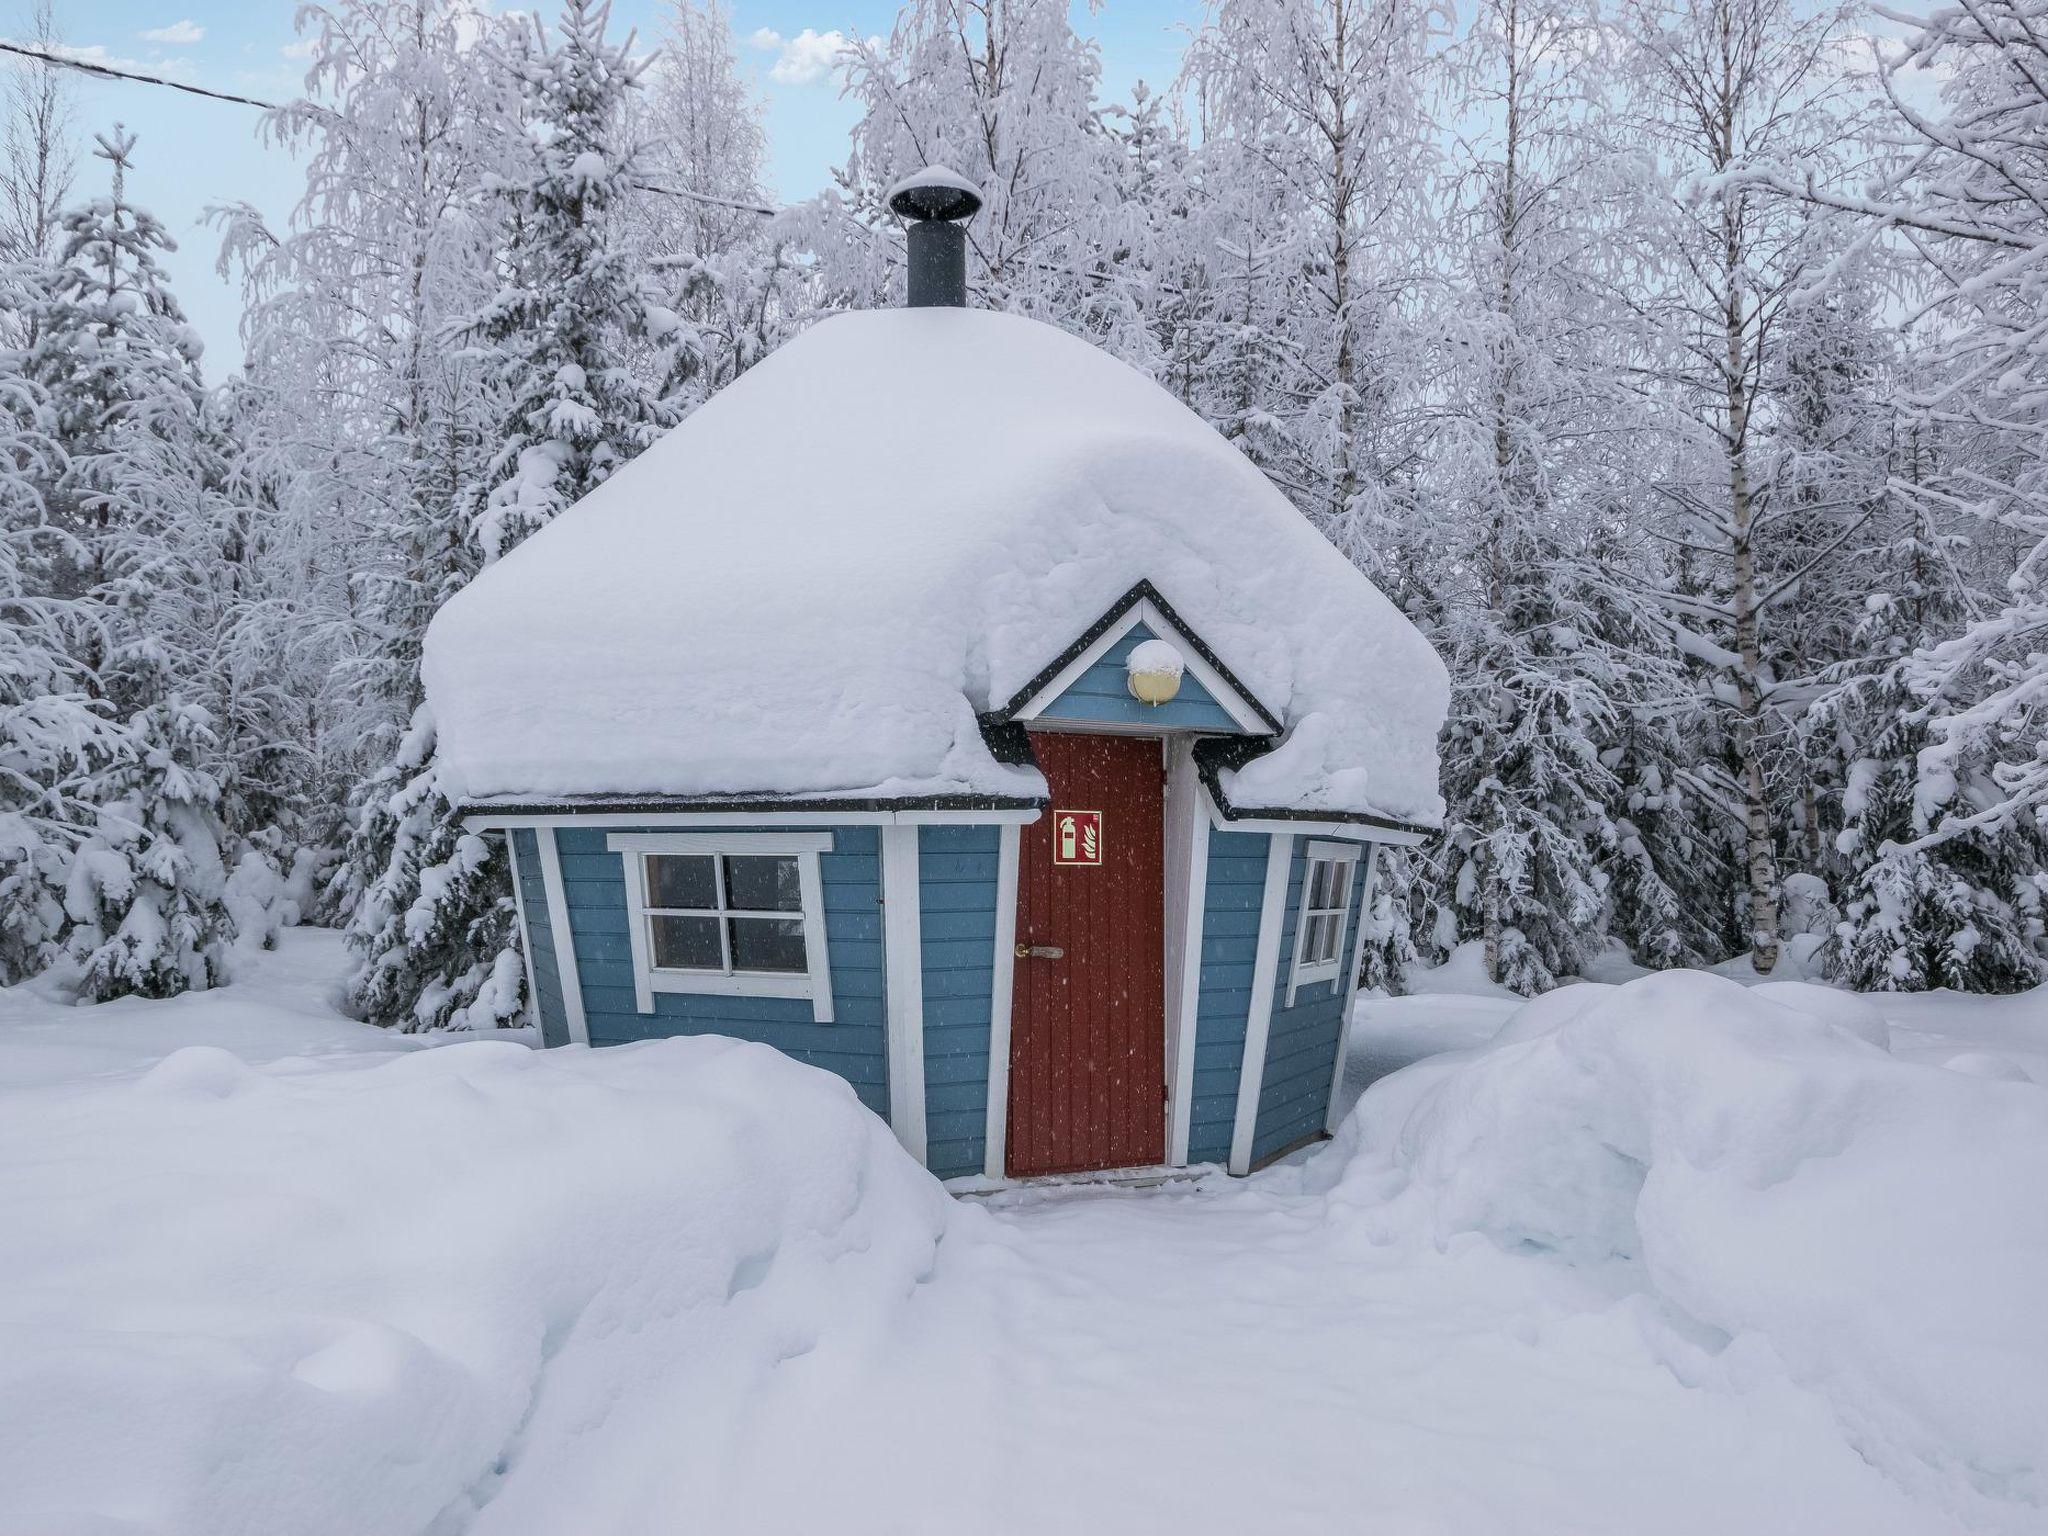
(936, 201)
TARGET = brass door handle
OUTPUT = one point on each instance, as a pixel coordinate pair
(1040, 952)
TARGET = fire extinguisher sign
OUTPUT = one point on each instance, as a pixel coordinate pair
(1077, 837)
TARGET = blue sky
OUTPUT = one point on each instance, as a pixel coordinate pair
(193, 152)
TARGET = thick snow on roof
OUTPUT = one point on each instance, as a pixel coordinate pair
(897, 520)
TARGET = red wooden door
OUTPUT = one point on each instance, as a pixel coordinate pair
(1087, 1031)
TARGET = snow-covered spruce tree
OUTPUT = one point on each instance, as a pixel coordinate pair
(118, 365)
(1972, 192)
(1824, 465)
(574, 292)
(56, 737)
(1534, 415)
(1965, 191)
(1713, 85)
(566, 344)
(1963, 911)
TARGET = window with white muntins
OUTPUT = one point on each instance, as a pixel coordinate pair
(1325, 909)
(729, 914)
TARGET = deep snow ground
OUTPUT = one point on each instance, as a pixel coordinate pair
(485, 1290)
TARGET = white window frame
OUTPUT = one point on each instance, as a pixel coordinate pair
(1301, 973)
(815, 982)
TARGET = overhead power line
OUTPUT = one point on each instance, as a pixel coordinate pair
(84, 67)
(62, 61)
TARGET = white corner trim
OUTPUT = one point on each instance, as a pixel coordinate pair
(903, 961)
(1233, 703)
(1001, 994)
(805, 847)
(525, 938)
(563, 937)
(1258, 1024)
(1372, 859)
(1298, 975)
(1187, 878)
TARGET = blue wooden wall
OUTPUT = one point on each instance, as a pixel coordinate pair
(1230, 942)
(956, 869)
(957, 886)
(1301, 1051)
(1102, 695)
(540, 942)
(855, 1046)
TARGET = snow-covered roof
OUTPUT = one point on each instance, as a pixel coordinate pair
(816, 583)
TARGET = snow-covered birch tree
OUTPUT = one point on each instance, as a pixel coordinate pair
(1714, 85)
(1535, 424)
(1323, 104)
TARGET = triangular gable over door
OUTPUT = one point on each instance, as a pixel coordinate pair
(1086, 683)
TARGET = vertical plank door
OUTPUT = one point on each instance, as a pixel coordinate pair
(1087, 1033)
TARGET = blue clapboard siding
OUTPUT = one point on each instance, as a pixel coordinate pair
(1101, 695)
(1230, 942)
(855, 1046)
(956, 868)
(540, 939)
(1301, 1051)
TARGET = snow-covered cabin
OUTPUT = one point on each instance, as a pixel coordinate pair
(948, 706)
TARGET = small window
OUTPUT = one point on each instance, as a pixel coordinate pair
(735, 914)
(1325, 910)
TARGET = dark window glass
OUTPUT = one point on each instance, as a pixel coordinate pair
(686, 944)
(1319, 883)
(678, 880)
(758, 883)
(760, 944)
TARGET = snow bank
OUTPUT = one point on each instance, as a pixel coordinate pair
(1795, 1198)
(895, 522)
(389, 1291)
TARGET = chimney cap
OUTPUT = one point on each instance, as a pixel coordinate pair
(934, 193)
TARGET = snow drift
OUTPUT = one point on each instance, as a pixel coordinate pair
(386, 1293)
(1789, 1194)
(816, 582)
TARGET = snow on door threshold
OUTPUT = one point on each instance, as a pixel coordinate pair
(1150, 1177)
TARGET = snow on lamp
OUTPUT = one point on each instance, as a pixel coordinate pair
(1153, 671)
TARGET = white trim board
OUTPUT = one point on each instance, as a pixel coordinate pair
(525, 941)
(1287, 826)
(1232, 702)
(903, 960)
(1258, 1024)
(1002, 990)
(1187, 877)
(1372, 858)
(563, 936)
(496, 820)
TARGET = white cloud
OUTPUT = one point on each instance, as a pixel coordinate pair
(97, 53)
(302, 49)
(178, 33)
(801, 60)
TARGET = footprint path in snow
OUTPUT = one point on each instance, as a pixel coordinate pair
(1229, 1360)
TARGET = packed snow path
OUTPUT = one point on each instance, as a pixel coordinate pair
(1216, 1362)
(269, 1270)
